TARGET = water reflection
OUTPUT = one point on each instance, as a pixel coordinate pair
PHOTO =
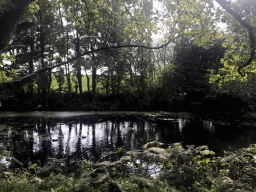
(33, 139)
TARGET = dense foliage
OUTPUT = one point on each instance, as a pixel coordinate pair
(123, 65)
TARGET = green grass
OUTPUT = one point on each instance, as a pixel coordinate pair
(55, 86)
(100, 89)
(99, 86)
(25, 184)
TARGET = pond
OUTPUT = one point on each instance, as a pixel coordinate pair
(37, 136)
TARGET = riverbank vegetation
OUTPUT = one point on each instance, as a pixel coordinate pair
(155, 168)
(113, 55)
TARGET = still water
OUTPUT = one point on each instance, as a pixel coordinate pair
(36, 136)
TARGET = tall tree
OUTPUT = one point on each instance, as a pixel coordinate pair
(239, 47)
(11, 14)
(186, 17)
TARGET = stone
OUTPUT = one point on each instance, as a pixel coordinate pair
(175, 148)
(249, 175)
(134, 153)
(226, 159)
(143, 181)
(152, 144)
(53, 166)
(106, 164)
(37, 179)
(156, 154)
(225, 184)
(114, 187)
(86, 180)
(7, 174)
(125, 159)
(185, 156)
(202, 148)
(179, 175)
(205, 153)
(156, 150)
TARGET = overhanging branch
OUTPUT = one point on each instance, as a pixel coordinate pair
(10, 19)
(27, 78)
(250, 29)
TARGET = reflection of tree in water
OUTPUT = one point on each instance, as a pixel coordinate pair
(46, 149)
(94, 152)
(140, 135)
(112, 133)
(231, 137)
(31, 141)
(93, 140)
(19, 148)
(17, 142)
(60, 141)
(67, 149)
(106, 135)
(78, 144)
(169, 131)
(195, 133)
(131, 141)
(151, 131)
(119, 139)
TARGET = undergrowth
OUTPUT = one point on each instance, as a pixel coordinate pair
(233, 172)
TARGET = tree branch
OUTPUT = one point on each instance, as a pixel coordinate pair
(250, 29)
(27, 78)
(9, 21)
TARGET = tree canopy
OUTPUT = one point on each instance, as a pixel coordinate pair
(119, 38)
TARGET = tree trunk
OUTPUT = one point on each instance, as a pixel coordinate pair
(43, 77)
(49, 80)
(79, 79)
(67, 66)
(76, 87)
(118, 80)
(107, 84)
(31, 64)
(142, 71)
(78, 64)
(68, 77)
(88, 82)
(94, 76)
(113, 82)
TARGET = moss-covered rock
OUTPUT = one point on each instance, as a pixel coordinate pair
(183, 175)
(156, 154)
(87, 180)
(152, 144)
(54, 166)
(225, 184)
